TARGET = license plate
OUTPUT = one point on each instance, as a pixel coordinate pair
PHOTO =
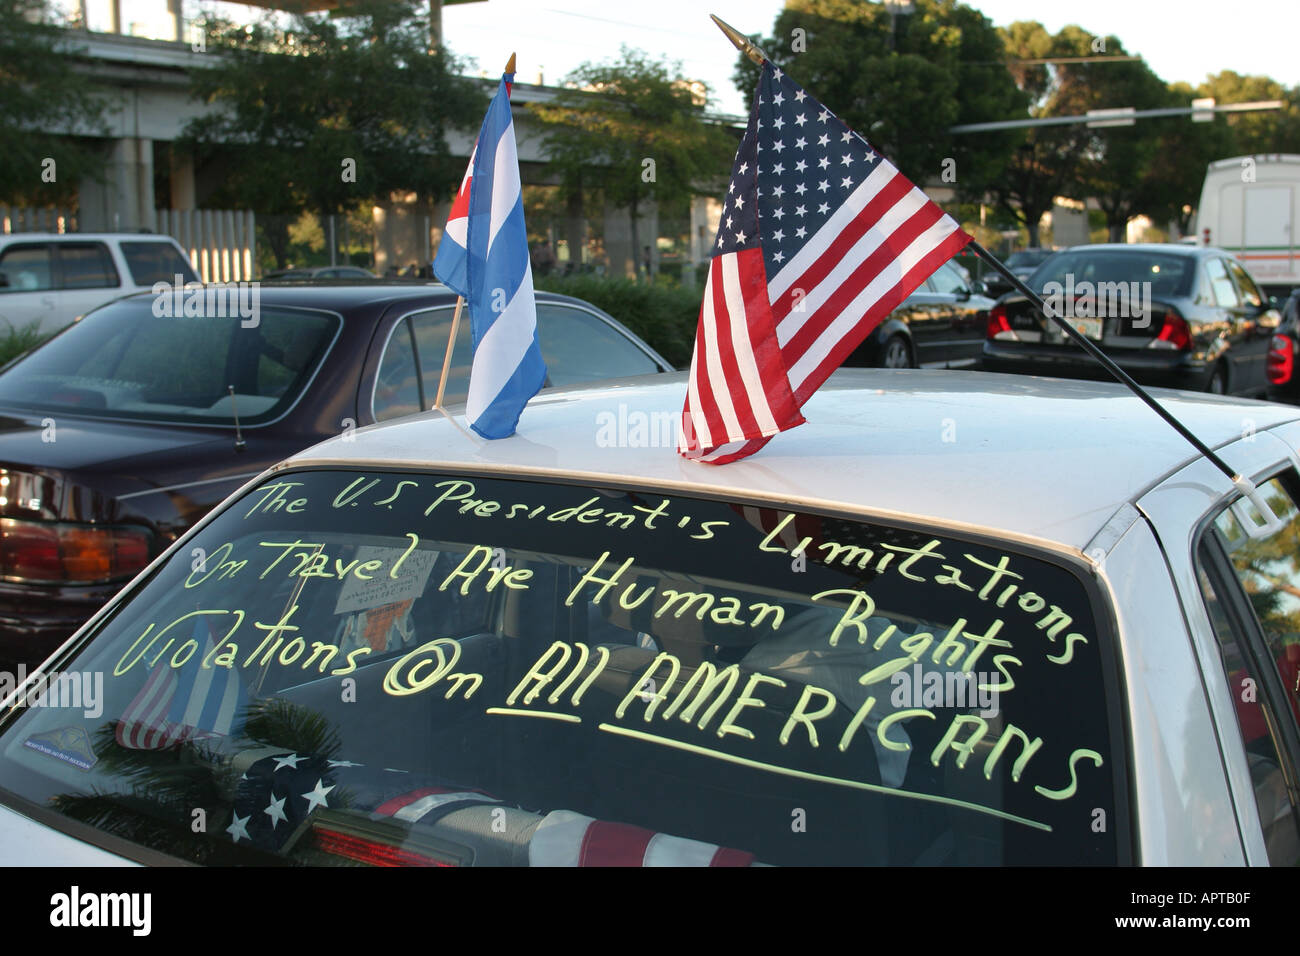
(1090, 328)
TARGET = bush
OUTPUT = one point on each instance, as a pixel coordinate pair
(663, 314)
(14, 342)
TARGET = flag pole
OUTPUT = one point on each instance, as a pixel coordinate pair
(451, 344)
(455, 316)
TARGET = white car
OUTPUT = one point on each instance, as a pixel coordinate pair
(52, 279)
(954, 619)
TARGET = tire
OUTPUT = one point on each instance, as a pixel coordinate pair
(896, 353)
(1218, 383)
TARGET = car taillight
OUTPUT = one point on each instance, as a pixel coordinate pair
(47, 552)
(999, 326)
(1281, 359)
(1174, 334)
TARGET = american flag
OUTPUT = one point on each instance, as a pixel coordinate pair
(820, 239)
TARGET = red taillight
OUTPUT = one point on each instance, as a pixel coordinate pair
(999, 324)
(1281, 359)
(51, 553)
(1174, 333)
(370, 852)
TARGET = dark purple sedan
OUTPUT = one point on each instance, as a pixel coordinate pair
(122, 431)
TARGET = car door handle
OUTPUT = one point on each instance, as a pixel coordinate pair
(47, 301)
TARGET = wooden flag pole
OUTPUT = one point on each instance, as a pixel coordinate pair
(451, 344)
(455, 316)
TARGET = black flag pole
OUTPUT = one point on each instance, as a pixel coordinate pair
(1242, 483)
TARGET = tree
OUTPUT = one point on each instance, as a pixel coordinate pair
(44, 101)
(635, 129)
(1273, 131)
(329, 110)
(902, 81)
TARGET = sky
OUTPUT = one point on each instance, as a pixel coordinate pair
(1185, 41)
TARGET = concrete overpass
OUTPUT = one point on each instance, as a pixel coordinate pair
(147, 86)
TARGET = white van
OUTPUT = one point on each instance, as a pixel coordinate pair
(1250, 206)
(52, 279)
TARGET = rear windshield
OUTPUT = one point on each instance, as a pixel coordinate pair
(1168, 275)
(409, 668)
(152, 262)
(125, 362)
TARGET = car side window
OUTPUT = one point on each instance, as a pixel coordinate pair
(152, 261)
(1250, 293)
(26, 268)
(1225, 293)
(86, 265)
(431, 331)
(948, 281)
(580, 347)
(1255, 613)
(398, 390)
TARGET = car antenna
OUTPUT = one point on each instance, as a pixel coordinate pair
(1242, 483)
(240, 444)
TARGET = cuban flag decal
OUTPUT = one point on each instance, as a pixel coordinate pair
(491, 270)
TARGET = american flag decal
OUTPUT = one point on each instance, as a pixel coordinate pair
(820, 239)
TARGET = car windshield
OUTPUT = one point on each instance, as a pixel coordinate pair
(1169, 275)
(431, 669)
(125, 361)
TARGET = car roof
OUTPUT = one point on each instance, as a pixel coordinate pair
(1168, 248)
(84, 236)
(349, 293)
(1028, 457)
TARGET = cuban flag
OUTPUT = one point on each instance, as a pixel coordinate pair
(484, 258)
(190, 702)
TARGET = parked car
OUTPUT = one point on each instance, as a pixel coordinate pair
(1022, 265)
(942, 323)
(1284, 353)
(1168, 314)
(120, 433)
(569, 647)
(52, 279)
(319, 272)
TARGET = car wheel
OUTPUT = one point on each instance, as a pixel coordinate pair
(1218, 384)
(896, 354)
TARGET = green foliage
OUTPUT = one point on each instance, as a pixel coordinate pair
(297, 102)
(40, 92)
(1273, 131)
(902, 89)
(14, 342)
(634, 130)
(663, 314)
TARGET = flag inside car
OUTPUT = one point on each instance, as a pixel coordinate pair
(820, 239)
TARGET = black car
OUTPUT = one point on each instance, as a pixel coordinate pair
(1169, 315)
(1284, 355)
(125, 429)
(941, 324)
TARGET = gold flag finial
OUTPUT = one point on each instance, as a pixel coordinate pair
(742, 42)
(510, 67)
